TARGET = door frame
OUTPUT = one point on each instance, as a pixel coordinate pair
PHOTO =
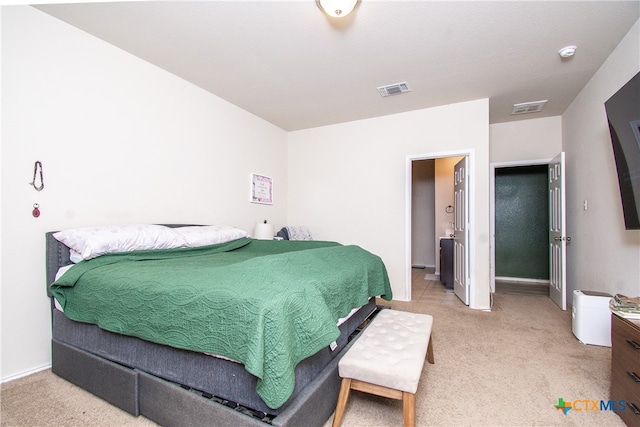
(492, 209)
(470, 154)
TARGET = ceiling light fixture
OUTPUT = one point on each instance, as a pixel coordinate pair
(337, 8)
(567, 51)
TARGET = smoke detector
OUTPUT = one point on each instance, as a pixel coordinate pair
(567, 51)
(528, 107)
(394, 89)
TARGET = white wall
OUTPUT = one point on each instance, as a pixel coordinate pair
(423, 210)
(121, 141)
(602, 255)
(532, 139)
(348, 181)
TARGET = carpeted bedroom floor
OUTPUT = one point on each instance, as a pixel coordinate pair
(507, 367)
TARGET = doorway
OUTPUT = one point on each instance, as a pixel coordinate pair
(555, 217)
(435, 171)
(521, 229)
(423, 235)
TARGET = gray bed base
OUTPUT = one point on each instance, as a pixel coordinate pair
(169, 404)
(177, 387)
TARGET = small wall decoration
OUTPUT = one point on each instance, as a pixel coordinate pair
(261, 189)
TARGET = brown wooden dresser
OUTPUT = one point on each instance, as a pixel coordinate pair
(625, 367)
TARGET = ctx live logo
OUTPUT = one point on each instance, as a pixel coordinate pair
(590, 405)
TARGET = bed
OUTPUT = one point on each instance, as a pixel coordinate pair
(283, 374)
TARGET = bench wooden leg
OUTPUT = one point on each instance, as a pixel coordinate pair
(430, 352)
(409, 409)
(345, 388)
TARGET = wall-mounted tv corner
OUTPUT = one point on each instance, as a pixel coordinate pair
(623, 114)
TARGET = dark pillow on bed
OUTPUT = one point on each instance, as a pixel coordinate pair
(283, 233)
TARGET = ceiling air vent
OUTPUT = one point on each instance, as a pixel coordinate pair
(394, 89)
(528, 107)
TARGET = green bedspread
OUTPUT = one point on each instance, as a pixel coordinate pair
(267, 304)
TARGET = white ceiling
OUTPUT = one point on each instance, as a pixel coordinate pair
(288, 63)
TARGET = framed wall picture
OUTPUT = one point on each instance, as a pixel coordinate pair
(261, 189)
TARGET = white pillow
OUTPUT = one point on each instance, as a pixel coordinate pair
(208, 235)
(91, 242)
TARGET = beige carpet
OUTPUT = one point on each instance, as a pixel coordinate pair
(507, 367)
(43, 399)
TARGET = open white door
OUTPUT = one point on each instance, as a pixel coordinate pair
(461, 233)
(557, 232)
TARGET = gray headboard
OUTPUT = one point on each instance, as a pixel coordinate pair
(58, 254)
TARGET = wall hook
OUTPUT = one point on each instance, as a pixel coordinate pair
(37, 167)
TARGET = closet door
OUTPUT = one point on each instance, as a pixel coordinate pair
(557, 232)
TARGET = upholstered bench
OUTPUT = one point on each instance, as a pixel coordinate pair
(387, 360)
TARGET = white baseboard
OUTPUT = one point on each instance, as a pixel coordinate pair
(25, 373)
(422, 266)
(522, 280)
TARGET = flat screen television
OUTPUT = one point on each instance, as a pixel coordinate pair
(623, 114)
